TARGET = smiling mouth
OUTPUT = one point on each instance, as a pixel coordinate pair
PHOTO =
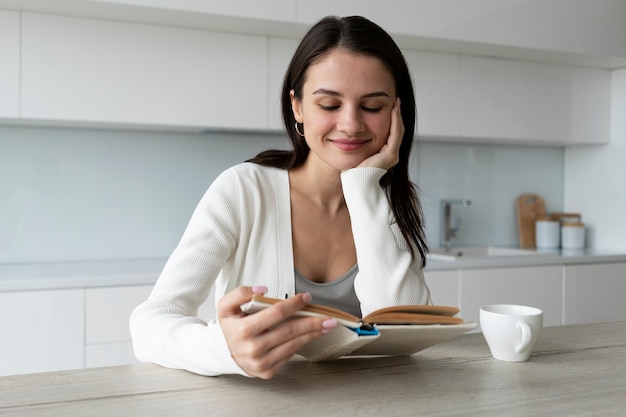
(349, 144)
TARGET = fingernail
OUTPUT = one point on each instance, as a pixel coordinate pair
(306, 297)
(328, 325)
(259, 289)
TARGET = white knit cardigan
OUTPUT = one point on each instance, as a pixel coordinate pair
(240, 234)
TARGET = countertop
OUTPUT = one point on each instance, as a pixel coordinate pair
(573, 371)
(131, 272)
(547, 257)
(85, 274)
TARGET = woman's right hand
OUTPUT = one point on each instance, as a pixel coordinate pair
(263, 342)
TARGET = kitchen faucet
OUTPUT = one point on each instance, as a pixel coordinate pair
(447, 232)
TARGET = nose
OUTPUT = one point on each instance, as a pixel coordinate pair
(350, 121)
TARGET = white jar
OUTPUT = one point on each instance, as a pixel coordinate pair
(572, 235)
(547, 234)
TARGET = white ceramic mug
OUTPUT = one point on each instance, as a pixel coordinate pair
(511, 331)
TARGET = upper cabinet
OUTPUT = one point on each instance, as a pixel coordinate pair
(436, 83)
(125, 64)
(281, 50)
(97, 71)
(9, 64)
(534, 102)
(471, 98)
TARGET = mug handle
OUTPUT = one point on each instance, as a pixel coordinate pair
(525, 329)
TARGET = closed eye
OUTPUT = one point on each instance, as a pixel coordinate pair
(372, 109)
(365, 109)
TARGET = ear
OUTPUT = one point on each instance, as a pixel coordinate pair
(296, 106)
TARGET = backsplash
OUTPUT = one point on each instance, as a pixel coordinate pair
(88, 194)
(492, 177)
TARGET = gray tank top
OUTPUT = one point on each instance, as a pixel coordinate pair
(337, 294)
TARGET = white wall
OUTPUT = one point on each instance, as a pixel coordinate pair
(594, 178)
(87, 194)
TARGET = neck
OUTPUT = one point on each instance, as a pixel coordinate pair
(320, 185)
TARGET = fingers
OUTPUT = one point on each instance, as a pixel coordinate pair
(396, 130)
(389, 154)
(267, 354)
(230, 304)
(262, 343)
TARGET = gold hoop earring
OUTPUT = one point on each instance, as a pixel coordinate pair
(298, 130)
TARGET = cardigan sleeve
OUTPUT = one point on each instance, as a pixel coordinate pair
(388, 275)
(165, 329)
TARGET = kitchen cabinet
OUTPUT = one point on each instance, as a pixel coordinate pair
(107, 334)
(91, 71)
(594, 293)
(444, 287)
(41, 331)
(9, 64)
(482, 99)
(536, 286)
(280, 53)
(487, 28)
(436, 83)
(512, 100)
(107, 314)
(80, 71)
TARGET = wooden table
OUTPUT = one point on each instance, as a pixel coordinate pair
(574, 371)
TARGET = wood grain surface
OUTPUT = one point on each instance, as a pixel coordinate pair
(573, 371)
(529, 207)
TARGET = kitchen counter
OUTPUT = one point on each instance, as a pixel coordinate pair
(573, 371)
(87, 274)
(552, 257)
(130, 272)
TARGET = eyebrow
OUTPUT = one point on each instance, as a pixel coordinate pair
(337, 94)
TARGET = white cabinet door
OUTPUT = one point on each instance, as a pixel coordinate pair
(517, 100)
(107, 334)
(41, 331)
(595, 293)
(105, 72)
(109, 354)
(539, 287)
(444, 287)
(212, 13)
(436, 83)
(107, 312)
(280, 53)
(9, 64)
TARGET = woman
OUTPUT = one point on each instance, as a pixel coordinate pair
(335, 220)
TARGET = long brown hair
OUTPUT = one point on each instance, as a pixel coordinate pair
(359, 35)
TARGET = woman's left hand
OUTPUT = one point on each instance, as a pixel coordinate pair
(389, 155)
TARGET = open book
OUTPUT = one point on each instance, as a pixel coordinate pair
(399, 330)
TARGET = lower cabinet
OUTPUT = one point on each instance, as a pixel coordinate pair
(41, 331)
(52, 330)
(539, 287)
(594, 293)
(107, 334)
(567, 294)
(444, 287)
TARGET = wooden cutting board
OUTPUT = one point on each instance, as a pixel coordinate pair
(529, 207)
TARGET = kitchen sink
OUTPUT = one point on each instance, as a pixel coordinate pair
(473, 252)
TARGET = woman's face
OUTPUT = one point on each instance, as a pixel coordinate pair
(345, 108)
